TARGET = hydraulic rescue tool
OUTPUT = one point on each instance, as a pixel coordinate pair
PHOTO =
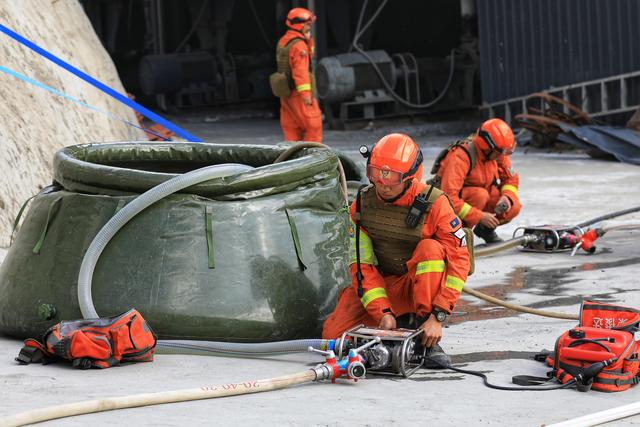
(551, 238)
(387, 352)
(554, 238)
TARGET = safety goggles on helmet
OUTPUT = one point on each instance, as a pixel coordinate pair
(310, 19)
(493, 147)
(384, 176)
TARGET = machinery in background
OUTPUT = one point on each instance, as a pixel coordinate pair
(196, 53)
(178, 54)
(351, 90)
(196, 79)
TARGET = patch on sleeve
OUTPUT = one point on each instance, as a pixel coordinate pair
(303, 53)
(454, 223)
(461, 236)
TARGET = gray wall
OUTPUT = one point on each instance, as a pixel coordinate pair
(530, 45)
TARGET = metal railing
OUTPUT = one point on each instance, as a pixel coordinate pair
(598, 98)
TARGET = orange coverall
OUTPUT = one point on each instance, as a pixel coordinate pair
(300, 122)
(436, 273)
(479, 192)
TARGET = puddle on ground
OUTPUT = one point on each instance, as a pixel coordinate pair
(551, 282)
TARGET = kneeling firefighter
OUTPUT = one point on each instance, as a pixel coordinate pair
(294, 82)
(409, 256)
(477, 176)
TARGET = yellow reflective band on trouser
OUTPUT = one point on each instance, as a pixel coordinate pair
(509, 187)
(464, 211)
(373, 294)
(306, 86)
(434, 266)
(455, 283)
(367, 256)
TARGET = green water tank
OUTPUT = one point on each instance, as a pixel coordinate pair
(256, 256)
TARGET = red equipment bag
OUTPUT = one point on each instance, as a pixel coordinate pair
(609, 316)
(94, 343)
(605, 334)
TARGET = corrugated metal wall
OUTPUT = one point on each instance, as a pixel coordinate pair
(530, 45)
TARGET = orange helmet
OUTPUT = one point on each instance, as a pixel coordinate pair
(297, 17)
(396, 158)
(495, 135)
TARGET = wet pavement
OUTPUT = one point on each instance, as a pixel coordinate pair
(556, 188)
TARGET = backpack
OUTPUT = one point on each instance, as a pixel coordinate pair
(94, 343)
(605, 334)
(466, 145)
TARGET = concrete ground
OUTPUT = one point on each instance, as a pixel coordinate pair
(555, 188)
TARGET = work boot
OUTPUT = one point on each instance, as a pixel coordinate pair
(436, 358)
(489, 235)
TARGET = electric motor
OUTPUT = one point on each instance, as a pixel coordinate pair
(340, 77)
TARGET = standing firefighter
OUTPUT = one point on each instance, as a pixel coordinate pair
(477, 176)
(294, 82)
(408, 250)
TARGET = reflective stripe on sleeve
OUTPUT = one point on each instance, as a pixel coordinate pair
(373, 294)
(303, 87)
(455, 283)
(509, 187)
(464, 211)
(434, 266)
(367, 256)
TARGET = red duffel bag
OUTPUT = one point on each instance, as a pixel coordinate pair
(94, 343)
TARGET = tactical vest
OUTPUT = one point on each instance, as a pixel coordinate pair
(284, 67)
(470, 150)
(393, 241)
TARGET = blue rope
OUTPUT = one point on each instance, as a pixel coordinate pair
(72, 99)
(106, 89)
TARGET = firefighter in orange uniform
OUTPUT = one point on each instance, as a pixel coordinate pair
(300, 115)
(477, 176)
(408, 250)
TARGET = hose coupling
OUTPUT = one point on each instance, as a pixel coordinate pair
(323, 372)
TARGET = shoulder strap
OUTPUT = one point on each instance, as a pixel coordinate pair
(462, 143)
(292, 42)
(359, 275)
(432, 193)
(471, 152)
(33, 352)
(528, 380)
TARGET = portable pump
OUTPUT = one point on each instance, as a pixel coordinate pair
(387, 352)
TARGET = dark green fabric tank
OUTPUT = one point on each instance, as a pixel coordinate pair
(273, 265)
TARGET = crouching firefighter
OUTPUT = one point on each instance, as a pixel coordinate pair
(409, 257)
(477, 176)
